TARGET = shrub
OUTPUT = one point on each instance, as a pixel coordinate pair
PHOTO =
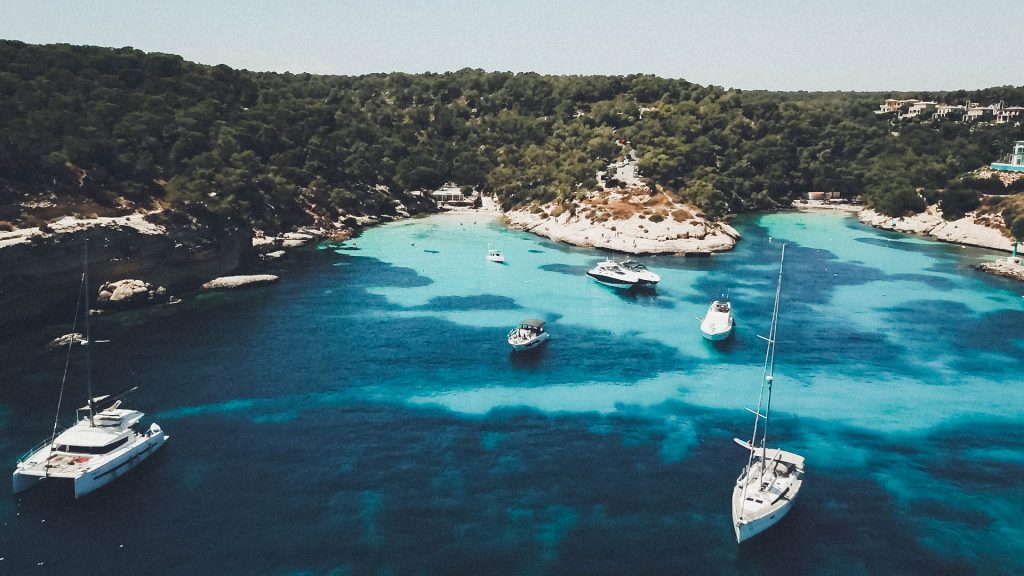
(956, 202)
(681, 215)
(6, 226)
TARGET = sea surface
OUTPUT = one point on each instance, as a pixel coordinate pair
(364, 415)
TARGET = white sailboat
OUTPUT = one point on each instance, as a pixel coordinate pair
(102, 445)
(769, 484)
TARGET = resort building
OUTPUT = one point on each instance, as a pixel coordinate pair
(997, 113)
(976, 112)
(892, 105)
(1009, 114)
(918, 108)
(947, 110)
(1016, 162)
(448, 193)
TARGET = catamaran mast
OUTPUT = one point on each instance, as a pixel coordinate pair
(88, 338)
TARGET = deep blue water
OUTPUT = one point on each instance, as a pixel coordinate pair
(364, 414)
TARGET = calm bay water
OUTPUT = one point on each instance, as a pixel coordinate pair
(364, 415)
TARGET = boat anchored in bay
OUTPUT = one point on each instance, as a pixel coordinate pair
(528, 335)
(612, 274)
(495, 256)
(718, 322)
(770, 482)
(644, 275)
(102, 445)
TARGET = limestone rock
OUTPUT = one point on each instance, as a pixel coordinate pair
(128, 293)
(227, 282)
(40, 270)
(63, 341)
(1008, 267)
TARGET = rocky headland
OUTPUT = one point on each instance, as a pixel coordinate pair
(633, 221)
(974, 229)
(42, 265)
(1006, 267)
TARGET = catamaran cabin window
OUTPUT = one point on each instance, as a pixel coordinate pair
(93, 449)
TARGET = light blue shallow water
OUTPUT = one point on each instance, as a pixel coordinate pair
(364, 415)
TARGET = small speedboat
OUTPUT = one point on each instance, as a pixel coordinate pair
(718, 322)
(528, 335)
(496, 256)
(610, 273)
(647, 278)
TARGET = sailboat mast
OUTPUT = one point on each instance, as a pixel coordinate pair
(88, 338)
(771, 358)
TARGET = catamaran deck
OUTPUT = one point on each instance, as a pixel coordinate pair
(58, 464)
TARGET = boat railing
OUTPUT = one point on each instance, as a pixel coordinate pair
(36, 448)
(743, 474)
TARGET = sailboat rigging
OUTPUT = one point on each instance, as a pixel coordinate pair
(102, 445)
(771, 480)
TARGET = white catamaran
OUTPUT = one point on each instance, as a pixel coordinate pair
(770, 482)
(102, 445)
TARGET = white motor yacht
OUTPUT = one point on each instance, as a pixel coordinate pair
(496, 256)
(610, 273)
(718, 322)
(647, 278)
(528, 335)
(770, 482)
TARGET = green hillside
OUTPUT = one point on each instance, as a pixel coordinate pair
(100, 130)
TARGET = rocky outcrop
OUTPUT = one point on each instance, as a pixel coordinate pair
(62, 342)
(1006, 267)
(129, 294)
(986, 231)
(42, 267)
(228, 282)
(634, 222)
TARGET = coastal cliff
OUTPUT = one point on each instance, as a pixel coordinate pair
(42, 266)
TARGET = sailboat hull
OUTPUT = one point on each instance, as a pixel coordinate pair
(761, 499)
(748, 530)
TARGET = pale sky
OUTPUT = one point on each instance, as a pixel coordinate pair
(871, 45)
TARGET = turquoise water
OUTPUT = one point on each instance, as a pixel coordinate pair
(364, 415)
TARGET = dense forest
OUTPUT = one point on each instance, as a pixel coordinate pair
(117, 129)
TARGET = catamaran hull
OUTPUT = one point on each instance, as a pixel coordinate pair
(23, 482)
(103, 475)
